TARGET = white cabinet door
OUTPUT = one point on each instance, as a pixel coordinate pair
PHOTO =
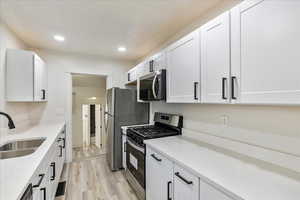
(265, 51)
(26, 77)
(159, 173)
(159, 61)
(40, 79)
(208, 192)
(215, 60)
(19, 75)
(183, 70)
(186, 185)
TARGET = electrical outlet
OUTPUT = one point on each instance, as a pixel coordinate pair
(225, 119)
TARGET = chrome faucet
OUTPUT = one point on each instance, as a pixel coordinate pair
(11, 124)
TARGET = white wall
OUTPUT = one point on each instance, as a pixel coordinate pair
(59, 64)
(18, 111)
(27, 114)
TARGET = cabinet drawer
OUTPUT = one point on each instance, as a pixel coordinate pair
(153, 155)
(186, 185)
(209, 192)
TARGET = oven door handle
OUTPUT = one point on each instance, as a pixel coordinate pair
(141, 149)
(153, 86)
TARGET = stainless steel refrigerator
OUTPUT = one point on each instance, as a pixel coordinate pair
(122, 109)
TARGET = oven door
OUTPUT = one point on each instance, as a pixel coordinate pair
(153, 86)
(135, 161)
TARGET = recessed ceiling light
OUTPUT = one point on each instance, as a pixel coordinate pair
(122, 49)
(92, 98)
(59, 38)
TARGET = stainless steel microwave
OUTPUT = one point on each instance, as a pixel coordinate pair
(152, 87)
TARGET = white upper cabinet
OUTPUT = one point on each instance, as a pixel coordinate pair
(40, 79)
(26, 77)
(215, 60)
(157, 62)
(265, 52)
(183, 70)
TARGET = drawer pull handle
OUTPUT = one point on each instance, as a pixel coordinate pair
(53, 171)
(156, 158)
(40, 181)
(44, 193)
(183, 179)
(169, 185)
(224, 88)
(233, 79)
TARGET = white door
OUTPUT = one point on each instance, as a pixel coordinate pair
(215, 60)
(183, 70)
(40, 79)
(159, 176)
(86, 125)
(98, 125)
(265, 51)
(186, 185)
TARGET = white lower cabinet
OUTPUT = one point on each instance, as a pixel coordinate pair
(186, 185)
(208, 192)
(159, 176)
(47, 176)
(165, 180)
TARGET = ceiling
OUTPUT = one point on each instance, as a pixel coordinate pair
(100, 26)
(82, 80)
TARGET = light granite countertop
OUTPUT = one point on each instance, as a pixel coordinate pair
(15, 173)
(241, 179)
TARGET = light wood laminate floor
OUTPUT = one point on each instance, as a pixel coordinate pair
(89, 178)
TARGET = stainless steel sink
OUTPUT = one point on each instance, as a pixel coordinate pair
(22, 144)
(15, 154)
(20, 148)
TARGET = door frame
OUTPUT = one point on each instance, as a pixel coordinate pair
(69, 103)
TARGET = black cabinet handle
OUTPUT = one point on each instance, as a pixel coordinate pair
(169, 184)
(224, 88)
(53, 171)
(64, 143)
(40, 181)
(151, 65)
(60, 151)
(183, 179)
(233, 79)
(44, 193)
(195, 90)
(128, 76)
(156, 158)
(44, 94)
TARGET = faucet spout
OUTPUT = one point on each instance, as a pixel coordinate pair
(11, 124)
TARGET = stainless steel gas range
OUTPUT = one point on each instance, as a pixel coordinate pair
(165, 125)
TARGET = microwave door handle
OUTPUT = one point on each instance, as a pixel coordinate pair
(153, 86)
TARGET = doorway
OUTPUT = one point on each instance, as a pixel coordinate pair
(88, 102)
(93, 127)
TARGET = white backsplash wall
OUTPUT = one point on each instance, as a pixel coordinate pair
(263, 119)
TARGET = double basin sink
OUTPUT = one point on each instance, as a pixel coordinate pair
(20, 148)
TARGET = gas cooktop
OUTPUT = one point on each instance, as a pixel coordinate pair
(153, 131)
(165, 125)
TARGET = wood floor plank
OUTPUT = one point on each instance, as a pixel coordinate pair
(89, 178)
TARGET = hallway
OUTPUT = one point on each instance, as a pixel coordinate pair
(89, 178)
